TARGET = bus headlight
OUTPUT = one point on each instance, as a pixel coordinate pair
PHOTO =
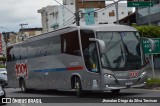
(110, 76)
(143, 74)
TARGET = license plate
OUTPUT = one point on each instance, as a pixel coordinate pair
(128, 83)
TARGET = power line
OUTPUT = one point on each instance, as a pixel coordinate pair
(97, 10)
(34, 18)
(64, 7)
(66, 22)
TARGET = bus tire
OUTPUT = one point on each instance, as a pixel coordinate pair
(78, 87)
(116, 91)
(23, 86)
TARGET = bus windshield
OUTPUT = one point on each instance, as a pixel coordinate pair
(122, 51)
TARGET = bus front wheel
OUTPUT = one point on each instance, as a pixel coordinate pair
(78, 87)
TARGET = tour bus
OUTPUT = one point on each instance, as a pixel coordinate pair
(89, 58)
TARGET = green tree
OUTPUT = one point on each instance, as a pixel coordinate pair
(149, 31)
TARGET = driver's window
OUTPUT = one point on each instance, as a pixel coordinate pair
(89, 51)
(93, 57)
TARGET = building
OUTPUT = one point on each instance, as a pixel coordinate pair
(7, 39)
(27, 32)
(68, 2)
(149, 15)
(58, 16)
(128, 20)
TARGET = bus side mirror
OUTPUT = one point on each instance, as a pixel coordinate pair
(101, 44)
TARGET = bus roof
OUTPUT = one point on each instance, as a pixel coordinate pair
(110, 27)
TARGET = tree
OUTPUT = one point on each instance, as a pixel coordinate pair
(150, 31)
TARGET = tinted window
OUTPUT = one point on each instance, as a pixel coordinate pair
(9, 53)
(89, 51)
(24, 51)
(55, 45)
(16, 53)
(70, 43)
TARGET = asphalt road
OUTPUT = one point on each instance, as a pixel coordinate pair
(68, 98)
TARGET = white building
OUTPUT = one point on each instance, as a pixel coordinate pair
(56, 16)
(59, 16)
(68, 2)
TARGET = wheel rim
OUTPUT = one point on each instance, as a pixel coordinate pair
(22, 87)
(77, 86)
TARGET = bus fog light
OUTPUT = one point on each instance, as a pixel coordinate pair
(106, 86)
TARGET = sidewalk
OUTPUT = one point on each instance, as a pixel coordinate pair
(150, 75)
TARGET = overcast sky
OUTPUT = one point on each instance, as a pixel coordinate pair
(15, 12)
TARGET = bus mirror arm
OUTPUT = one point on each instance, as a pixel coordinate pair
(101, 44)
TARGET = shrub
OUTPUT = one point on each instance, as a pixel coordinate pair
(149, 31)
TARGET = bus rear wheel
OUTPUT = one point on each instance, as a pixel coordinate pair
(116, 91)
(23, 86)
(78, 87)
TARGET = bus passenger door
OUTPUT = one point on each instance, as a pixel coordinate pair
(92, 65)
(90, 55)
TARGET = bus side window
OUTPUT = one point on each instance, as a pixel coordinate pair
(70, 43)
(10, 54)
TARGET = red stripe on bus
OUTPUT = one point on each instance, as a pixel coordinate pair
(75, 68)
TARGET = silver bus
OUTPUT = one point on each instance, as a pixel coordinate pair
(90, 58)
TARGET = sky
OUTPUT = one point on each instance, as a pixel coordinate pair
(16, 12)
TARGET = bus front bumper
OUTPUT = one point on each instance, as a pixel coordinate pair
(110, 87)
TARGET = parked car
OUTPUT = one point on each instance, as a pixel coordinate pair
(2, 95)
(3, 77)
(3, 71)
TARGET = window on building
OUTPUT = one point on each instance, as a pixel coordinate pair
(129, 12)
(112, 13)
(122, 12)
(95, 14)
(82, 15)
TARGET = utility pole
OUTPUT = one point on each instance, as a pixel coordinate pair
(77, 13)
(117, 17)
(22, 27)
(22, 30)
